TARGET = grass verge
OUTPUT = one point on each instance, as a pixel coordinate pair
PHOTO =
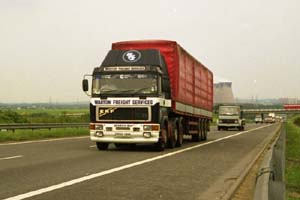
(23, 135)
(292, 174)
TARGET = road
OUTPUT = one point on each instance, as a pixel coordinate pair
(73, 168)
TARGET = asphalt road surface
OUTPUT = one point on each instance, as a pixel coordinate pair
(73, 168)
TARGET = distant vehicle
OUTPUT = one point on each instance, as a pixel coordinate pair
(278, 118)
(230, 117)
(151, 92)
(272, 115)
(270, 118)
(258, 119)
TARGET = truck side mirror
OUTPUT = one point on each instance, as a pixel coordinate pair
(85, 85)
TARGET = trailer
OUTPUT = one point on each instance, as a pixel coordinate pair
(149, 91)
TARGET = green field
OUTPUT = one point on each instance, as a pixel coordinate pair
(24, 135)
(46, 115)
(293, 159)
(43, 115)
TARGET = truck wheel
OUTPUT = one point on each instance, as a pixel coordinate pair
(197, 137)
(179, 134)
(173, 136)
(162, 141)
(219, 128)
(205, 127)
(102, 146)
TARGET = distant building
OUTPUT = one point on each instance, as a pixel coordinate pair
(289, 101)
(223, 93)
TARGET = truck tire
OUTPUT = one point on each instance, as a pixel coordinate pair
(173, 135)
(162, 141)
(160, 145)
(197, 137)
(179, 128)
(205, 128)
(102, 146)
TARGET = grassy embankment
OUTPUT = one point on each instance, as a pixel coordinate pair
(293, 159)
(8, 116)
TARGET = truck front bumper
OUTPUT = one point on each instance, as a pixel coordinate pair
(228, 125)
(125, 133)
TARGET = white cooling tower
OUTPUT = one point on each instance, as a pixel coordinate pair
(223, 93)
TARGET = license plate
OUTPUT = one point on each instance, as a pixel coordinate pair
(123, 135)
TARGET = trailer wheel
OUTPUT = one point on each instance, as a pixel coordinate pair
(173, 135)
(102, 146)
(197, 137)
(179, 128)
(205, 128)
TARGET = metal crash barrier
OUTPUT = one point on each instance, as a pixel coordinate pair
(270, 183)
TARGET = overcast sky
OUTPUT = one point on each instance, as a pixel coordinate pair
(46, 46)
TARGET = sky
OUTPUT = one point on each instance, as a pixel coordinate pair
(46, 46)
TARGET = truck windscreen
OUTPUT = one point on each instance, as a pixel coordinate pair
(104, 84)
(229, 111)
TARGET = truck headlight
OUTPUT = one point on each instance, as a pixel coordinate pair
(99, 134)
(151, 127)
(147, 134)
(147, 128)
(99, 127)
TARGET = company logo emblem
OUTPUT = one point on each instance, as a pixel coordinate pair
(103, 112)
(131, 56)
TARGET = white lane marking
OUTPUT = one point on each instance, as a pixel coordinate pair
(47, 140)
(92, 146)
(117, 169)
(12, 157)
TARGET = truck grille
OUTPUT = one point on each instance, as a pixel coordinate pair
(123, 128)
(122, 114)
(228, 121)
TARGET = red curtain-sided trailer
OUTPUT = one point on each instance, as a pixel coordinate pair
(191, 82)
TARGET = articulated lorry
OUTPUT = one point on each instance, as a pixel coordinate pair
(149, 91)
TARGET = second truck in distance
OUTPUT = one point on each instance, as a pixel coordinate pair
(230, 116)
